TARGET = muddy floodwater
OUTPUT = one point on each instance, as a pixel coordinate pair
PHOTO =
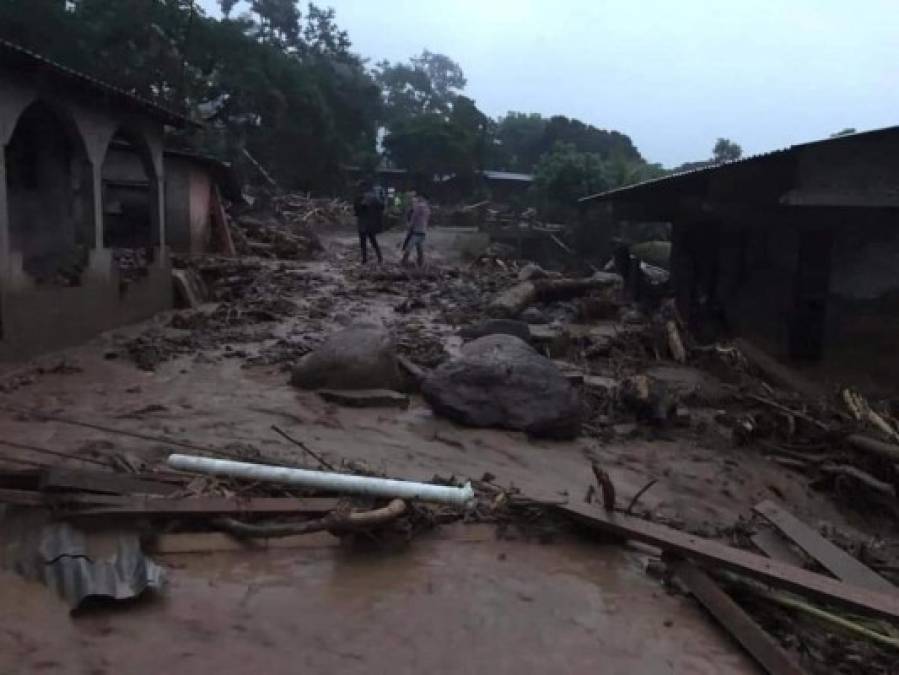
(443, 603)
(439, 605)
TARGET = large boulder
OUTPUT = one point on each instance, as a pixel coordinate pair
(360, 357)
(501, 381)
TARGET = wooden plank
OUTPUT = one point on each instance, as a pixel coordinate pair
(750, 564)
(212, 506)
(763, 648)
(832, 558)
(220, 222)
(212, 542)
(774, 546)
(57, 478)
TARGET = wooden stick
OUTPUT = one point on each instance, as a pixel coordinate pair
(302, 446)
(56, 453)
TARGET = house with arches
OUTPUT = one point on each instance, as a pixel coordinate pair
(76, 258)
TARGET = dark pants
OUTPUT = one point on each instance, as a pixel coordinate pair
(364, 238)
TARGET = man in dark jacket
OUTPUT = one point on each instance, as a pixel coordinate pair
(369, 210)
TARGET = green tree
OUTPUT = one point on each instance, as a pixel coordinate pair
(428, 84)
(428, 146)
(565, 175)
(726, 150)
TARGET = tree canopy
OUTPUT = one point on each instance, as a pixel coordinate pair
(726, 150)
(280, 79)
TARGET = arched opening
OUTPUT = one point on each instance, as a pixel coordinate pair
(130, 204)
(50, 196)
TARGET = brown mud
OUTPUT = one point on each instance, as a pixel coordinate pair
(438, 605)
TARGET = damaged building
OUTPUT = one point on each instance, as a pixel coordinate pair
(795, 249)
(90, 203)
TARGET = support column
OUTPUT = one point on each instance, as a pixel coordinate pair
(97, 178)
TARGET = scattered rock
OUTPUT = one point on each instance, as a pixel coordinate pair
(365, 398)
(532, 271)
(631, 316)
(497, 327)
(500, 381)
(360, 357)
(534, 316)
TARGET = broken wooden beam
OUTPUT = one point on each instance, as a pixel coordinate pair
(58, 478)
(863, 600)
(214, 506)
(889, 451)
(832, 558)
(774, 546)
(763, 648)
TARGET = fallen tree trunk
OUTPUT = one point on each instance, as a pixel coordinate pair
(511, 302)
(888, 451)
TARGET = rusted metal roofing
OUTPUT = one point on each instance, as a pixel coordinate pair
(674, 178)
(13, 54)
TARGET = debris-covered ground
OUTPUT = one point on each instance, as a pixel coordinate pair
(690, 436)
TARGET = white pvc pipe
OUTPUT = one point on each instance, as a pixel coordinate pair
(322, 480)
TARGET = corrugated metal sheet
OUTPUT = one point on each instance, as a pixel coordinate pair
(682, 175)
(12, 52)
(64, 564)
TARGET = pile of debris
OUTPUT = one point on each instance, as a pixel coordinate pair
(314, 212)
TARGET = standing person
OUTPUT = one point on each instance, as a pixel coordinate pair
(418, 227)
(369, 210)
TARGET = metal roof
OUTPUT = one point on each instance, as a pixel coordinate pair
(674, 177)
(13, 54)
(508, 175)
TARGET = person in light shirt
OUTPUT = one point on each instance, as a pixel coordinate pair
(418, 228)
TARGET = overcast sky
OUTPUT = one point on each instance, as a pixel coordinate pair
(672, 74)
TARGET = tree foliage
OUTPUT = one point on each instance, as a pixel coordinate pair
(567, 174)
(280, 82)
(279, 79)
(726, 150)
(525, 138)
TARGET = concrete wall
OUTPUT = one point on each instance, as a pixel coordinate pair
(62, 207)
(187, 197)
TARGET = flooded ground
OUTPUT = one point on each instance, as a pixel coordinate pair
(438, 606)
(441, 605)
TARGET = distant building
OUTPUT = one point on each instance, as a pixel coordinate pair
(83, 242)
(797, 249)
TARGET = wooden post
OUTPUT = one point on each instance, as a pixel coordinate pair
(4, 217)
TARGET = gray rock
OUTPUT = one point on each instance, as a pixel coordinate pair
(501, 381)
(496, 327)
(531, 272)
(534, 316)
(365, 398)
(360, 357)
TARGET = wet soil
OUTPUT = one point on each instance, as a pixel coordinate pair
(438, 605)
